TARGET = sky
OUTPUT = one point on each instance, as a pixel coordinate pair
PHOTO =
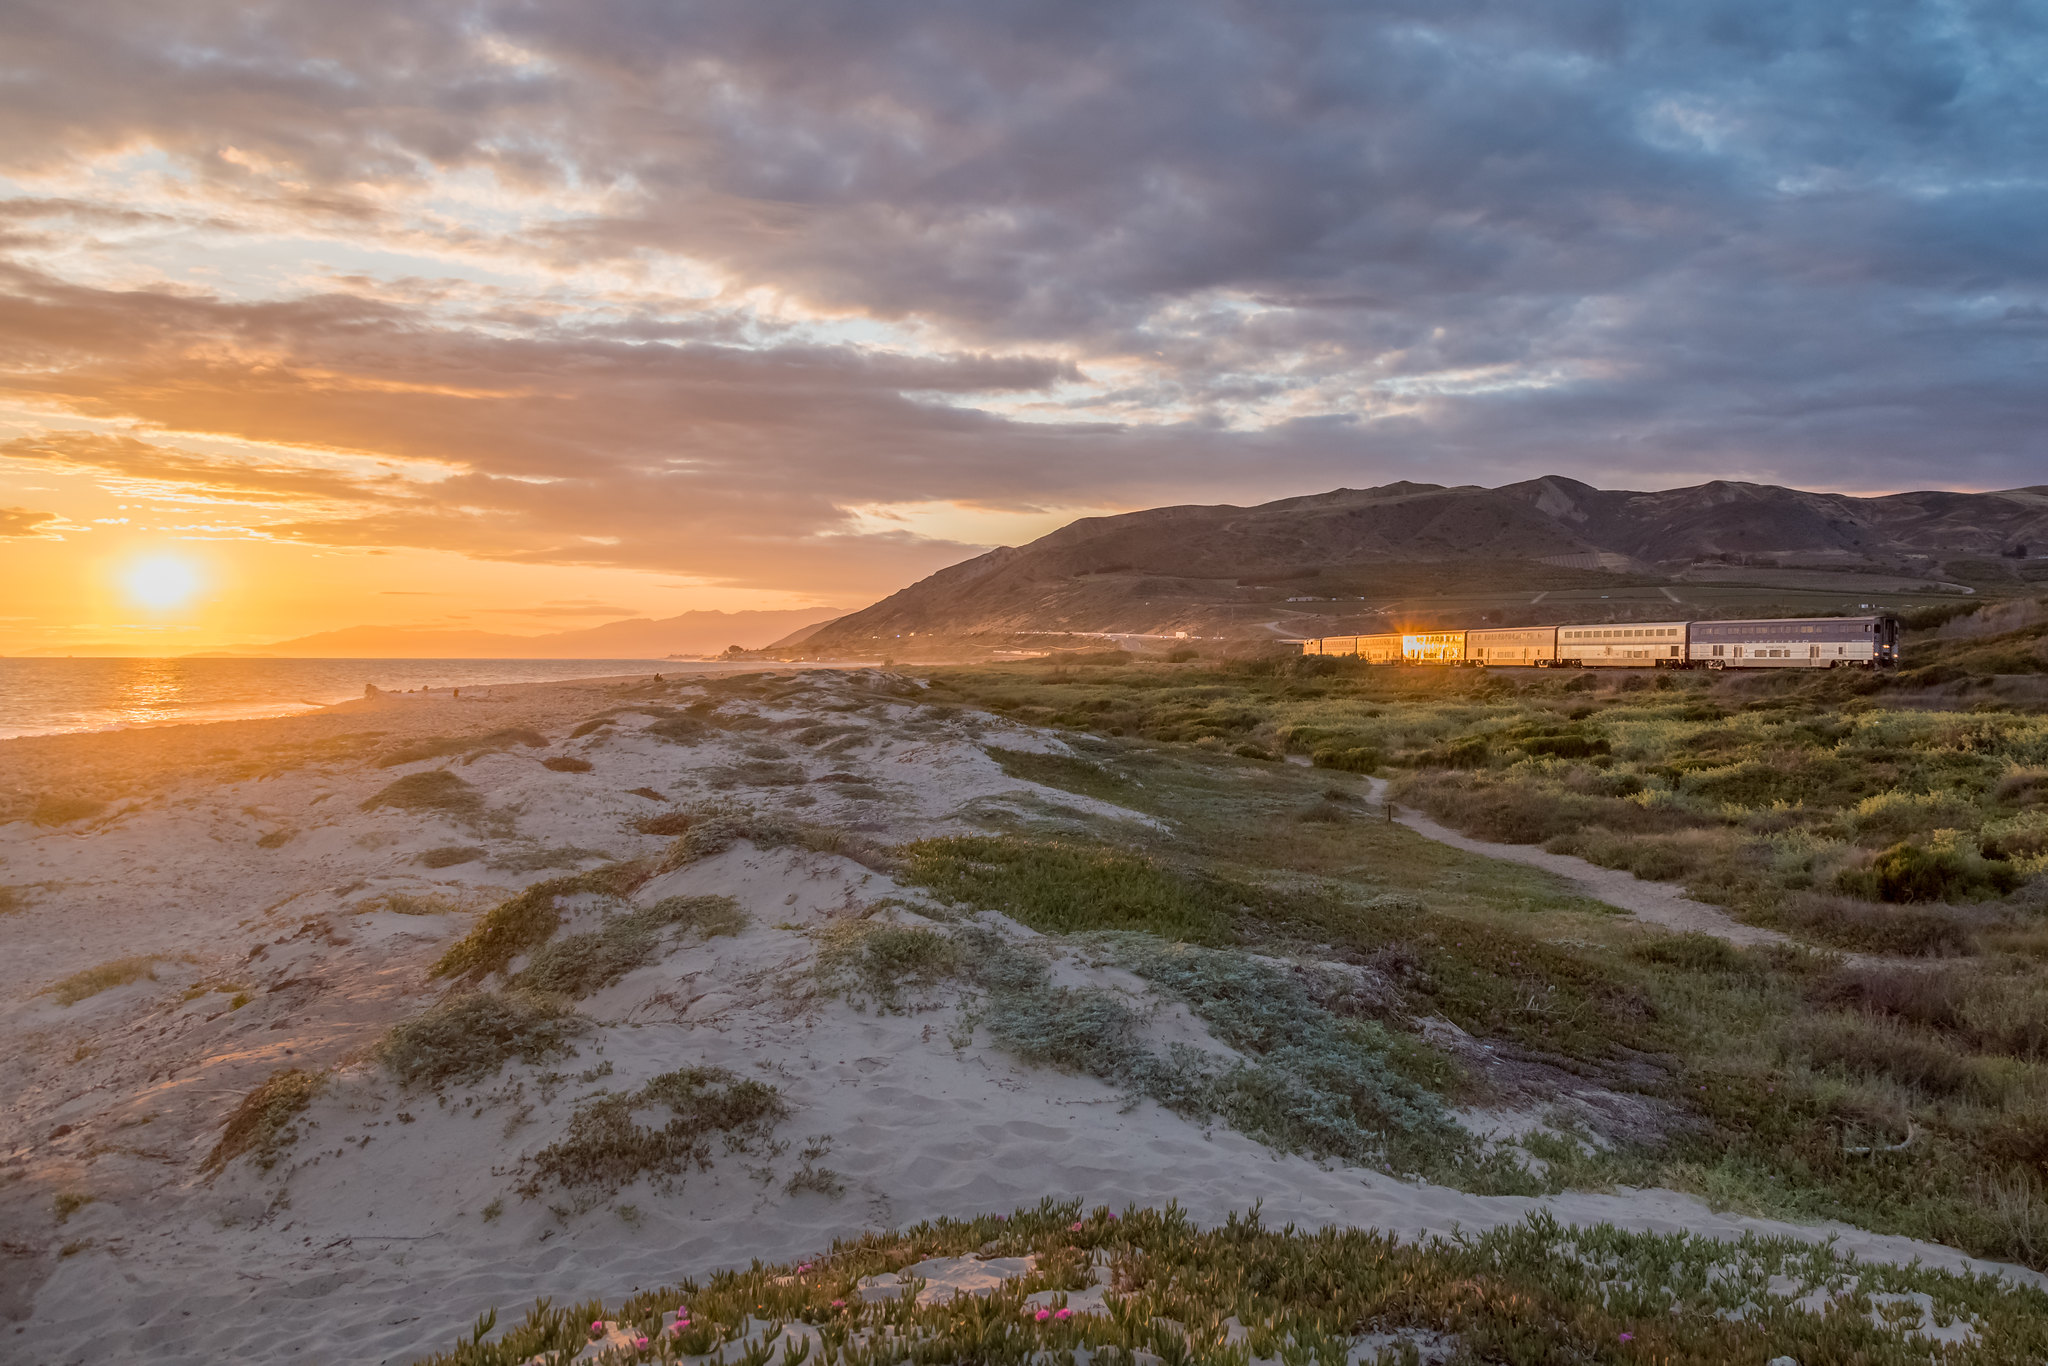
(526, 314)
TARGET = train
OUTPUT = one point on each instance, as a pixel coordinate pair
(1785, 643)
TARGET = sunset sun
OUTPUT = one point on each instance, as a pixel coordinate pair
(161, 582)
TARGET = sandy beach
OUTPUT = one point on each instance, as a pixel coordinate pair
(270, 914)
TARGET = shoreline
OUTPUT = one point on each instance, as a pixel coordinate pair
(285, 708)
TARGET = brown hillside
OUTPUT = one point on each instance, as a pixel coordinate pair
(1358, 559)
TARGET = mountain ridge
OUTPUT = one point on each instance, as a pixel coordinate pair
(1219, 570)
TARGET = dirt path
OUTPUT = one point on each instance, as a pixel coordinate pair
(1658, 902)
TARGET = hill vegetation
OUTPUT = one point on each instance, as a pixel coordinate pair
(1409, 554)
(1888, 1068)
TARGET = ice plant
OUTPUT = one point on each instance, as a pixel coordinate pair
(1044, 1314)
(1063, 1314)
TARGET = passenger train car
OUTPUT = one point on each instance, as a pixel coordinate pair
(1797, 643)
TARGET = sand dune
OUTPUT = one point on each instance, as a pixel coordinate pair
(263, 904)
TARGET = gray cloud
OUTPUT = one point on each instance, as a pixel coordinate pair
(1315, 242)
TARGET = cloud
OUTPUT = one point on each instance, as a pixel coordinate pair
(141, 468)
(675, 287)
(22, 522)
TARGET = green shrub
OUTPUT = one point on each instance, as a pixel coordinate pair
(1873, 1046)
(1908, 872)
(1355, 759)
(1470, 752)
(468, 1037)
(581, 964)
(1564, 746)
(436, 789)
(1311, 1081)
(876, 960)
(1062, 887)
(1863, 927)
(516, 925)
(1692, 953)
(669, 823)
(263, 1124)
(606, 1150)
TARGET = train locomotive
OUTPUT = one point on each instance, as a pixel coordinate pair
(1870, 642)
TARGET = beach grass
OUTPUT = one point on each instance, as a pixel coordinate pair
(434, 790)
(579, 964)
(101, 977)
(469, 1036)
(265, 1124)
(605, 1149)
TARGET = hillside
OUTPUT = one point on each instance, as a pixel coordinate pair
(1546, 549)
(692, 633)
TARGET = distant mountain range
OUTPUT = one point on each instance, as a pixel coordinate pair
(1352, 558)
(692, 633)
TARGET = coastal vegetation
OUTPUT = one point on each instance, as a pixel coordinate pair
(1138, 1284)
(1885, 1067)
(101, 977)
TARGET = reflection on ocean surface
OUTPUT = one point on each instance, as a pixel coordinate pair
(43, 695)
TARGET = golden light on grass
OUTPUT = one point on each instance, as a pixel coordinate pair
(161, 582)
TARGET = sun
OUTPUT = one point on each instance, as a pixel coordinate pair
(161, 581)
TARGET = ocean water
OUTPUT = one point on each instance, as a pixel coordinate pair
(43, 696)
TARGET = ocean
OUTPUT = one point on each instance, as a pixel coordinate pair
(45, 696)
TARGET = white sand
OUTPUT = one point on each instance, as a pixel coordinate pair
(370, 1243)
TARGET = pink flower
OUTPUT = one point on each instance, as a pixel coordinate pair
(1043, 1315)
(1628, 1337)
(1112, 1218)
(839, 1304)
(1075, 1227)
(597, 1325)
(639, 1342)
(1063, 1314)
(802, 1269)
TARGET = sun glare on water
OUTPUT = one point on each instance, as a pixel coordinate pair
(161, 581)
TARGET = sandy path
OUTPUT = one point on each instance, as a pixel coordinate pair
(1660, 903)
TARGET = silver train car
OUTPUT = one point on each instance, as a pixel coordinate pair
(1795, 643)
(1786, 643)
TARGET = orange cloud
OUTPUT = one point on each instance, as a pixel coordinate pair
(22, 522)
